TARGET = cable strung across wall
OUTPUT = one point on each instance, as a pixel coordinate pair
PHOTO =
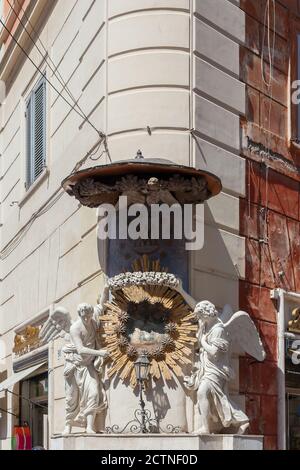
(55, 71)
(102, 137)
(266, 153)
(55, 197)
(269, 85)
(42, 74)
(264, 241)
(271, 48)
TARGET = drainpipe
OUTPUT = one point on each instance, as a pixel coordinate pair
(279, 295)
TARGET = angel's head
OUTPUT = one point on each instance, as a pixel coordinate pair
(85, 312)
(206, 311)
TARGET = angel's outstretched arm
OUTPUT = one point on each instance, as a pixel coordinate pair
(99, 309)
(81, 349)
(187, 297)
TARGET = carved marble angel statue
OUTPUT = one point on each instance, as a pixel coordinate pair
(219, 337)
(85, 395)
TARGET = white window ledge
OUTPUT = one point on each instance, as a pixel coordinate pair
(43, 176)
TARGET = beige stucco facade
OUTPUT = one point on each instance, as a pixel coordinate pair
(168, 65)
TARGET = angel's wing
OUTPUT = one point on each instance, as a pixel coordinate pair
(226, 314)
(243, 336)
(59, 320)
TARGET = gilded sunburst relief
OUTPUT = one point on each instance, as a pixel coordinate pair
(147, 315)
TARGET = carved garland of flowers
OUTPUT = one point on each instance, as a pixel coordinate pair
(93, 193)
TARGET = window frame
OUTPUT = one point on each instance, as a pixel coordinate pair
(286, 302)
(30, 156)
(294, 138)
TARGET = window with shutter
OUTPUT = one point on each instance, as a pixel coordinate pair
(36, 133)
(28, 142)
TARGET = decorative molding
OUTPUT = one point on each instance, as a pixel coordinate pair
(175, 190)
(28, 348)
(38, 356)
(256, 148)
(139, 278)
(27, 341)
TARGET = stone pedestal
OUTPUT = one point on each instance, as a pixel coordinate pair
(180, 442)
(171, 405)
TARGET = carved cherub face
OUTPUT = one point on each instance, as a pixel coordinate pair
(85, 312)
(153, 184)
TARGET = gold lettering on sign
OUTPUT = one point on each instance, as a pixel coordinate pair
(294, 324)
(27, 340)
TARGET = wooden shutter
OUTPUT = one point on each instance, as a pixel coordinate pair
(29, 135)
(39, 121)
(36, 133)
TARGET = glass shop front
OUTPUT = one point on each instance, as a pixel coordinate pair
(34, 408)
(292, 381)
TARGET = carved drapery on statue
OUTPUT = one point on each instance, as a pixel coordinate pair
(85, 395)
(147, 316)
(219, 337)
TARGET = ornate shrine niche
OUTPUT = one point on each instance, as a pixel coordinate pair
(147, 316)
(148, 182)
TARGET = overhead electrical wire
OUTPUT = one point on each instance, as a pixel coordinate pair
(102, 137)
(41, 211)
(47, 79)
(9, 413)
(55, 71)
(32, 403)
(264, 238)
(271, 48)
(269, 85)
(39, 70)
(269, 23)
